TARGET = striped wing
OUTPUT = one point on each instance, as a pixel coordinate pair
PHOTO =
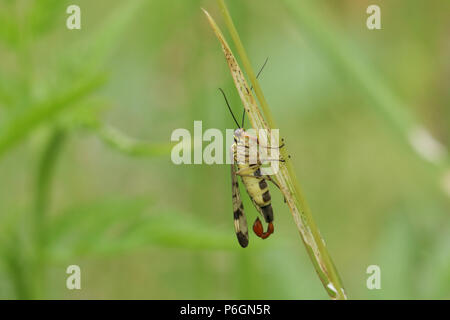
(240, 222)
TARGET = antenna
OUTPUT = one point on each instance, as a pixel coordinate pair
(229, 108)
(257, 76)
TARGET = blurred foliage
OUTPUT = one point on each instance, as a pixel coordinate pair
(78, 106)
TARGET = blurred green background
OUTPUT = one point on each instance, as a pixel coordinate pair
(86, 177)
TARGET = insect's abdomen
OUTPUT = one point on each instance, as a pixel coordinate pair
(258, 190)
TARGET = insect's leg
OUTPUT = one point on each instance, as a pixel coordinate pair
(247, 175)
(280, 159)
(254, 139)
(264, 160)
(276, 184)
(279, 147)
(248, 171)
(259, 231)
(273, 181)
(268, 159)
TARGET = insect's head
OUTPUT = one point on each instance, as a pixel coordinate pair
(239, 133)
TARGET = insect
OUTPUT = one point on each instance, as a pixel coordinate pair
(254, 182)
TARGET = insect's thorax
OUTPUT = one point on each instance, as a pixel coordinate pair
(245, 151)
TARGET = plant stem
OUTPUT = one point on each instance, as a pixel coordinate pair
(287, 180)
(44, 176)
(128, 145)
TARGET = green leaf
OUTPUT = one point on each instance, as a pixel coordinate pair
(19, 128)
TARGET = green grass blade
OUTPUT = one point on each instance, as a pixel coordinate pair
(289, 186)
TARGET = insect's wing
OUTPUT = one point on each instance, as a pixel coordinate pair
(240, 222)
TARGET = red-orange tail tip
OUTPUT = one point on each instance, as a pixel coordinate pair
(259, 231)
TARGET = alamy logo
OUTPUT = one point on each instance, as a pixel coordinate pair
(243, 146)
(374, 20)
(374, 280)
(74, 280)
(74, 20)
